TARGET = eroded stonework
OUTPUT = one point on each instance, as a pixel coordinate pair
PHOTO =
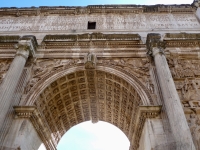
(4, 66)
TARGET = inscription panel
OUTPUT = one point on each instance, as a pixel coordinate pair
(186, 21)
(104, 22)
(159, 21)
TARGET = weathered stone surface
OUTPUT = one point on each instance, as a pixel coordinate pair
(101, 74)
(104, 22)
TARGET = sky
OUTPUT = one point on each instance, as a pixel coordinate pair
(36, 3)
(100, 136)
(88, 136)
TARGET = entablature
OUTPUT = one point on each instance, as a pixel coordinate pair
(105, 45)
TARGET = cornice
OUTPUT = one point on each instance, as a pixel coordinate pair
(9, 39)
(94, 40)
(92, 36)
(182, 40)
(96, 9)
(182, 36)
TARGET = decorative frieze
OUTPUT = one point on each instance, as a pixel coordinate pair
(184, 68)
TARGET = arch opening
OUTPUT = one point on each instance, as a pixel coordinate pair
(85, 95)
(98, 136)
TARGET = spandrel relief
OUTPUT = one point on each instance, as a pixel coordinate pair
(43, 67)
(193, 119)
(184, 68)
(189, 92)
(137, 67)
(186, 75)
(187, 81)
(4, 66)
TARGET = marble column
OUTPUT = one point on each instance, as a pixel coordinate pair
(24, 49)
(175, 113)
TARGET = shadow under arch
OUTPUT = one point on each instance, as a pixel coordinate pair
(68, 97)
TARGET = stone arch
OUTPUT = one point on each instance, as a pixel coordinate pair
(32, 95)
(68, 97)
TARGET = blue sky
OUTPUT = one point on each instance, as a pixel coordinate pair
(100, 136)
(36, 3)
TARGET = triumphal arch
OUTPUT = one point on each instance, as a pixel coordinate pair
(136, 67)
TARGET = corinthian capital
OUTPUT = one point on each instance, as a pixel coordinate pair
(154, 42)
(26, 46)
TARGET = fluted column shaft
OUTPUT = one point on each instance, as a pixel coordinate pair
(12, 77)
(177, 120)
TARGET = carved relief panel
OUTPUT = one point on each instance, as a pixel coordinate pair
(138, 67)
(193, 118)
(42, 67)
(186, 75)
(4, 66)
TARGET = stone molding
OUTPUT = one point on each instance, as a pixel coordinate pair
(96, 9)
(93, 36)
(24, 112)
(182, 40)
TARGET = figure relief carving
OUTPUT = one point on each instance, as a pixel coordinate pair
(189, 92)
(184, 68)
(4, 66)
(42, 67)
(194, 125)
(150, 85)
(90, 61)
(138, 67)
